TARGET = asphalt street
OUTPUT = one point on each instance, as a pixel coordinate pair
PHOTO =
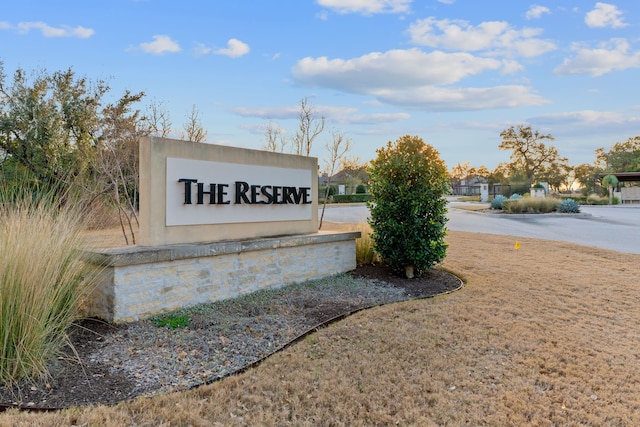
(608, 227)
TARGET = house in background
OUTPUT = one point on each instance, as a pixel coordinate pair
(628, 186)
(346, 181)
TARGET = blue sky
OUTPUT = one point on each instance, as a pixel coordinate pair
(454, 72)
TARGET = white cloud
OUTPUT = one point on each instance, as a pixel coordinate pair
(340, 115)
(462, 99)
(201, 49)
(511, 67)
(414, 79)
(49, 31)
(494, 37)
(235, 48)
(446, 1)
(604, 15)
(366, 7)
(536, 11)
(160, 45)
(400, 68)
(614, 55)
(588, 122)
(583, 117)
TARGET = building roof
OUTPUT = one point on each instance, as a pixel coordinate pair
(623, 176)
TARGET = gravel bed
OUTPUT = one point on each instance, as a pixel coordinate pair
(224, 337)
(111, 363)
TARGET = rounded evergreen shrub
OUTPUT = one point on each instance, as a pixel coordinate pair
(569, 206)
(361, 189)
(408, 184)
(515, 196)
(496, 203)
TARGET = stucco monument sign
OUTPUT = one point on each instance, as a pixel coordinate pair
(217, 222)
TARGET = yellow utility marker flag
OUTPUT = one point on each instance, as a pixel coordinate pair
(517, 245)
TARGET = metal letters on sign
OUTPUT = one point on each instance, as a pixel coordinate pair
(202, 192)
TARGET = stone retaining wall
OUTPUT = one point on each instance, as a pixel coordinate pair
(140, 281)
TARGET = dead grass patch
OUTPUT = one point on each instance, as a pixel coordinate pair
(543, 335)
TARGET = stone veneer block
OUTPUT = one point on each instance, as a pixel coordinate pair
(141, 281)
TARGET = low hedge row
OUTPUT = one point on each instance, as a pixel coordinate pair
(351, 198)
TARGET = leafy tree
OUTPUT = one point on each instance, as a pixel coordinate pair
(622, 157)
(529, 153)
(408, 183)
(556, 174)
(355, 168)
(459, 173)
(57, 130)
(46, 125)
(587, 176)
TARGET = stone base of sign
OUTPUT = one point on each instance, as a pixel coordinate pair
(141, 281)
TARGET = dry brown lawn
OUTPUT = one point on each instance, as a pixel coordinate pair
(545, 335)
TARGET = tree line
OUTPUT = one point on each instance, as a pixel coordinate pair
(534, 160)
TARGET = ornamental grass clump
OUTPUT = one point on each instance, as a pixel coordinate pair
(365, 253)
(41, 278)
(533, 205)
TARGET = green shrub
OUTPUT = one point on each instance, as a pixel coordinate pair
(569, 206)
(515, 196)
(41, 282)
(352, 198)
(361, 189)
(171, 321)
(496, 203)
(408, 181)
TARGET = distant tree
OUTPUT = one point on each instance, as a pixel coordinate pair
(587, 176)
(408, 211)
(309, 127)
(193, 127)
(158, 120)
(622, 157)
(556, 174)
(336, 150)
(480, 172)
(459, 173)
(355, 168)
(528, 152)
(276, 141)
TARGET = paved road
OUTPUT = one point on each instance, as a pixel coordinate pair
(609, 227)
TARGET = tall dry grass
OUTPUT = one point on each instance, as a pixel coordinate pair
(40, 281)
(531, 205)
(365, 252)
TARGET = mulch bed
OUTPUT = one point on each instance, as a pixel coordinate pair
(81, 379)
